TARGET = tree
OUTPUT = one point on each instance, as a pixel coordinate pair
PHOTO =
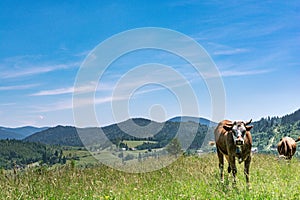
(140, 157)
(174, 147)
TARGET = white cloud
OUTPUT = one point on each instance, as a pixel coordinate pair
(69, 90)
(54, 92)
(228, 73)
(230, 51)
(67, 104)
(17, 87)
(29, 71)
(221, 49)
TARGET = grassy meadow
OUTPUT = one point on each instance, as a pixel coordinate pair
(190, 177)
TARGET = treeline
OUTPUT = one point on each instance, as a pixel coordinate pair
(267, 132)
(16, 153)
(161, 133)
(291, 118)
(192, 132)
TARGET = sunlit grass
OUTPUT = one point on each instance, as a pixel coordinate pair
(134, 143)
(187, 178)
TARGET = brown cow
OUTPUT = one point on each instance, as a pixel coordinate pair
(233, 139)
(287, 147)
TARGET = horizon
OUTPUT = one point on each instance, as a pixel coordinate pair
(254, 47)
(52, 126)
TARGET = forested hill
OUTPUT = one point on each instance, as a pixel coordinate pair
(20, 153)
(291, 118)
(19, 132)
(59, 135)
(267, 132)
(161, 133)
(200, 120)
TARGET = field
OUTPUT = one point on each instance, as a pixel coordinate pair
(134, 143)
(189, 177)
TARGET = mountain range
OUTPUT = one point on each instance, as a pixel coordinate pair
(141, 129)
(19, 132)
(266, 132)
(26, 131)
(199, 120)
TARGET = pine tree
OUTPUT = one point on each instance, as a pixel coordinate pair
(174, 147)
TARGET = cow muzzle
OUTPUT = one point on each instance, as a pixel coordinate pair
(239, 141)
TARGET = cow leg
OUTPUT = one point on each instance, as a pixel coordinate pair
(221, 164)
(233, 167)
(229, 169)
(246, 169)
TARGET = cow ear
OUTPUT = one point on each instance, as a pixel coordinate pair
(227, 128)
(248, 128)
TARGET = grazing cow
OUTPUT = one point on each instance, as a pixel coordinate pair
(287, 147)
(233, 139)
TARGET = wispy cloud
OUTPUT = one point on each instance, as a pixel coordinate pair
(228, 73)
(230, 51)
(17, 87)
(68, 104)
(222, 49)
(30, 65)
(29, 71)
(69, 90)
(58, 91)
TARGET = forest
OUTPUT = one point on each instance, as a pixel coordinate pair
(18, 154)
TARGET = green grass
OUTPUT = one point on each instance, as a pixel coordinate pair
(187, 178)
(135, 143)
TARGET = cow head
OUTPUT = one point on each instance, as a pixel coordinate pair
(238, 129)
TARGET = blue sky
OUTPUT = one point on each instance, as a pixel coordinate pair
(254, 44)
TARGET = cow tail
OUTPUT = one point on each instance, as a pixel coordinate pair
(283, 148)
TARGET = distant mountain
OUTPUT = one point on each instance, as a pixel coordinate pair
(294, 117)
(200, 120)
(267, 132)
(59, 135)
(72, 136)
(6, 134)
(19, 132)
(133, 129)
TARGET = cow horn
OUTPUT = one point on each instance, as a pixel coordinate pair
(249, 122)
(230, 124)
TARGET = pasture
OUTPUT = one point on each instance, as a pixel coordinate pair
(190, 177)
(135, 143)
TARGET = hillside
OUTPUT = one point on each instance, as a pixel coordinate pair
(59, 135)
(19, 132)
(199, 120)
(267, 132)
(162, 133)
(291, 118)
(6, 134)
(187, 178)
(16, 152)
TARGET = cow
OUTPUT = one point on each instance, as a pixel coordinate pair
(233, 140)
(287, 147)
